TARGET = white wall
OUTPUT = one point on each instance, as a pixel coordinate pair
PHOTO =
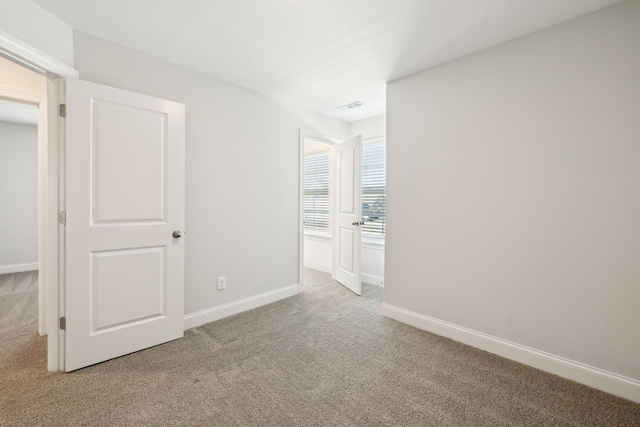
(318, 252)
(29, 23)
(242, 152)
(18, 197)
(513, 193)
(372, 127)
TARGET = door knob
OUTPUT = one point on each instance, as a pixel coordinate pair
(354, 223)
(177, 234)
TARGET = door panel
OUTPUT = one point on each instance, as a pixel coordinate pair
(138, 274)
(346, 239)
(131, 187)
(346, 160)
(347, 232)
(125, 197)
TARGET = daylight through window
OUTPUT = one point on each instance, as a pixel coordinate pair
(316, 191)
(374, 195)
(317, 182)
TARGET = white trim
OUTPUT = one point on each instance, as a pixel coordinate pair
(317, 137)
(216, 313)
(301, 211)
(55, 231)
(610, 382)
(319, 267)
(43, 209)
(33, 58)
(372, 279)
(22, 95)
(18, 268)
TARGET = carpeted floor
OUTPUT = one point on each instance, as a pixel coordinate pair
(18, 302)
(322, 358)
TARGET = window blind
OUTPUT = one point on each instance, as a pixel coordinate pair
(316, 191)
(374, 187)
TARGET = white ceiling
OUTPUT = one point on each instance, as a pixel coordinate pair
(16, 112)
(319, 54)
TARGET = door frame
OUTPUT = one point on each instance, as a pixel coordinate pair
(51, 188)
(326, 140)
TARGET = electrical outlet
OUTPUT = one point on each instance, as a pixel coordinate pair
(222, 283)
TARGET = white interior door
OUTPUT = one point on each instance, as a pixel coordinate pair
(124, 199)
(347, 237)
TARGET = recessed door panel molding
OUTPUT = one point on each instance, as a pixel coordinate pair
(346, 237)
(124, 204)
(127, 286)
(347, 242)
(128, 163)
(347, 169)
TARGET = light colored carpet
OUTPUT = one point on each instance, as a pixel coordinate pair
(322, 358)
(18, 302)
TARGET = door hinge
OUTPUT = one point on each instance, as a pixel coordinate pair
(63, 110)
(62, 217)
(63, 323)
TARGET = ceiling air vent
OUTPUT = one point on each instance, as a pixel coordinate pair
(351, 106)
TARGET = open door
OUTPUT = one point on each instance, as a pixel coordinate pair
(347, 240)
(124, 220)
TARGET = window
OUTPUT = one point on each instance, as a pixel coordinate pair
(316, 191)
(317, 161)
(374, 194)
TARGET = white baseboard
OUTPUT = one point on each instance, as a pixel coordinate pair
(18, 268)
(372, 279)
(216, 313)
(319, 267)
(609, 382)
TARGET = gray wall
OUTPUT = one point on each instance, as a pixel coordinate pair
(30, 23)
(18, 196)
(514, 191)
(372, 127)
(242, 155)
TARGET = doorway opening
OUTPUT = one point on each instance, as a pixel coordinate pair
(23, 192)
(30, 76)
(317, 204)
(327, 245)
(19, 255)
(23, 114)
(35, 82)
